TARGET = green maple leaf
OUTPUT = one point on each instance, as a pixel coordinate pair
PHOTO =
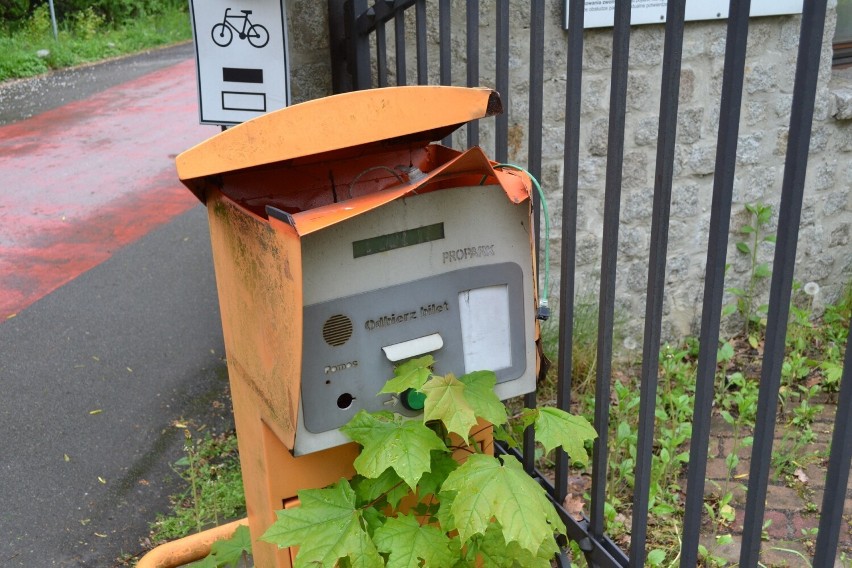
(410, 375)
(206, 562)
(554, 427)
(227, 553)
(479, 393)
(501, 434)
(445, 401)
(391, 441)
(442, 465)
(486, 489)
(445, 511)
(373, 518)
(230, 552)
(528, 416)
(327, 526)
(491, 547)
(495, 552)
(388, 486)
(408, 543)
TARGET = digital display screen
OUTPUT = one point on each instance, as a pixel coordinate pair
(401, 239)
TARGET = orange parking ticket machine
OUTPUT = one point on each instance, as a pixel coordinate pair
(344, 243)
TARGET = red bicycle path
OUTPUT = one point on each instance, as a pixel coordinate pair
(109, 324)
(83, 180)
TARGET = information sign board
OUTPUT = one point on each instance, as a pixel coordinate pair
(600, 13)
(241, 58)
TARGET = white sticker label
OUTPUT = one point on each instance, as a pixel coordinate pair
(486, 338)
(601, 13)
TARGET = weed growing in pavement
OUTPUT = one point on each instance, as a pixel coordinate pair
(756, 232)
(811, 374)
(214, 492)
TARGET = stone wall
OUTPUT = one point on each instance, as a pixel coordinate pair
(824, 251)
(310, 62)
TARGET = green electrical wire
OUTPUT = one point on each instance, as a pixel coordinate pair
(544, 213)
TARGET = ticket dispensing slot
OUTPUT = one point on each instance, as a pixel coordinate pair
(413, 347)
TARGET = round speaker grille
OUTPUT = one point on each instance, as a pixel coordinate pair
(337, 330)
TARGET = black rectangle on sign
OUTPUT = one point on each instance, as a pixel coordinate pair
(241, 75)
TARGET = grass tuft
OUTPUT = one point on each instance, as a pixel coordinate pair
(214, 491)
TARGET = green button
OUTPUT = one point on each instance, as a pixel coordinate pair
(413, 399)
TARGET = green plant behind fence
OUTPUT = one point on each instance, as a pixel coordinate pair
(756, 232)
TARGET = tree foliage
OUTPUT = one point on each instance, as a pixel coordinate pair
(112, 11)
(14, 10)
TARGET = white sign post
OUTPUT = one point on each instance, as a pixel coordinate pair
(601, 13)
(241, 58)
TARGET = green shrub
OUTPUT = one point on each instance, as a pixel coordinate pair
(85, 36)
(86, 23)
(17, 63)
(38, 25)
(114, 12)
(14, 10)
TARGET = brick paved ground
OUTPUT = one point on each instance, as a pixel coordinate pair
(793, 502)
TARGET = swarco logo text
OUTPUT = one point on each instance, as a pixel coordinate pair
(392, 319)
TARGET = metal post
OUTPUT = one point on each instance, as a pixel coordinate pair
(570, 183)
(53, 20)
(789, 216)
(714, 280)
(672, 50)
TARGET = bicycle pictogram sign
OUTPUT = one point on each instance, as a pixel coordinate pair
(223, 32)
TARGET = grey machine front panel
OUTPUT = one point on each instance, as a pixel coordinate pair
(419, 252)
(344, 365)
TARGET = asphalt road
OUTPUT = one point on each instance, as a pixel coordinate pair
(24, 98)
(95, 372)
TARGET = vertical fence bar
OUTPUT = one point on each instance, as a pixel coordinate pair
(501, 126)
(670, 92)
(341, 80)
(536, 102)
(569, 224)
(359, 55)
(612, 209)
(536, 105)
(420, 25)
(399, 40)
(472, 23)
(381, 54)
(445, 31)
(714, 277)
(831, 516)
(792, 190)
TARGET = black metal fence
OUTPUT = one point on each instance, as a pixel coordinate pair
(360, 60)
